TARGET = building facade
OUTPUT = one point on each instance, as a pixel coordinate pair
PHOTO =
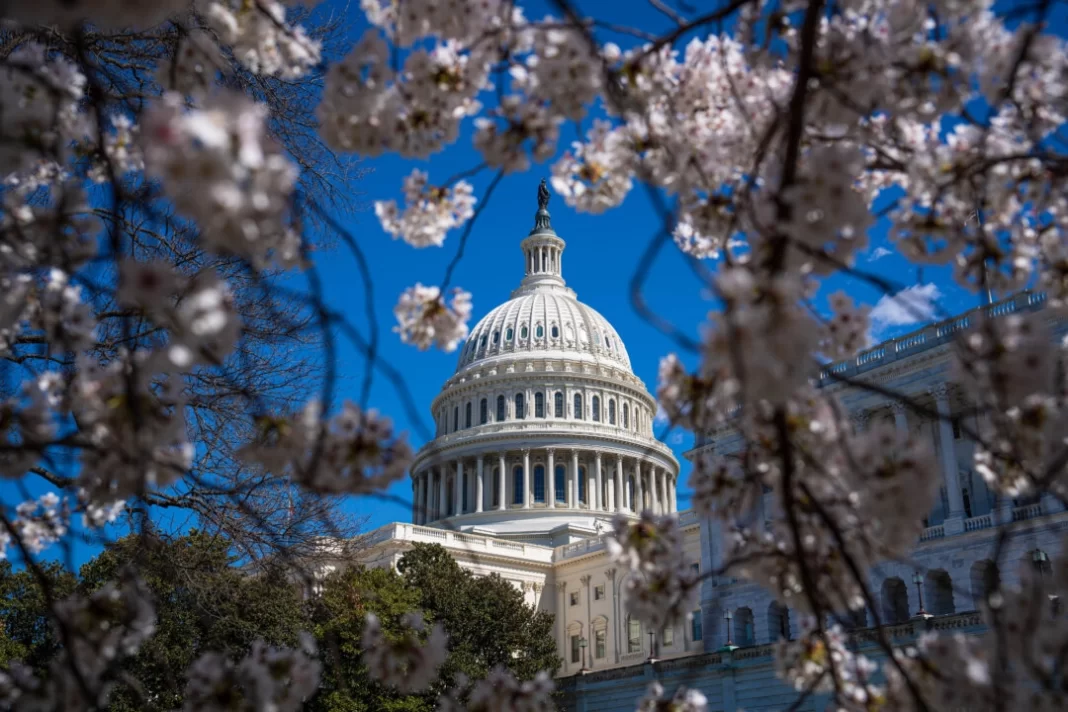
(544, 434)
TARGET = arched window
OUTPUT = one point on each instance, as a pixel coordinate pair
(496, 486)
(895, 601)
(578, 406)
(555, 331)
(482, 342)
(500, 409)
(634, 635)
(467, 415)
(558, 405)
(508, 334)
(626, 416)
(582, 485)
(696, 626)
(743, 627)
(938, 592)
(612, 411)
(519, 406)
(595, 409)
(778, 622)
(483, 412)
(539, 405)
(517, 485)
(455, 419)
(496, 337)
(539, 331)
(539, 483)
(523, 332)
(560, 483)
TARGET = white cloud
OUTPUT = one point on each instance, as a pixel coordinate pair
(911, 305)
(878, 253)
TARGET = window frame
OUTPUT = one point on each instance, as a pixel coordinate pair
(483, 411)
(558, 404)
(600, 643)
(578, 406)
(539, 483)
(467, 415)
(595, 409)
(539, 405)
(611, 411)
(520, 403)
(598, 592)
(502, 408)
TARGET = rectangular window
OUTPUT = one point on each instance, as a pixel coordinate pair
(696, 631)
(634, 635)
(574, 648)
(539, 405)
(483, 412)
(598, 592)
(599, 643)
(667, 636)
(558, 405)
(574, 598)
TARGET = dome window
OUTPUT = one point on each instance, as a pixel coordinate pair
(482, 342)
(539, 331)
(595, 409)
(555, 331)
(508, 334)
(500, 409)
(496, 337)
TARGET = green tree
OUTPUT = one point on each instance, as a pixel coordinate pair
(337, 616)
(204, 602)
(487, 620)
(27, 633)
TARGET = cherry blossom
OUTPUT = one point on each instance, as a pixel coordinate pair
(424, 320)
(430, 211)
(408, 663)
(684, 700)
(260, 38)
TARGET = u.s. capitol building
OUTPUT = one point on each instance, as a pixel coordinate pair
(544, 434)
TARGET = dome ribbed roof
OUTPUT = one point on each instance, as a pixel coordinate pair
(543, 319)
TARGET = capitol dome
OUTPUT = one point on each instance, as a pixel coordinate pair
(543, 433)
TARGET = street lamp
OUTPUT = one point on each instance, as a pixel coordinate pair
(652, 658)
(729, 646)
(918, 580)
(1040, 560)
(582, 644)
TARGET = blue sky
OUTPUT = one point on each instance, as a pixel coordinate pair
(602, 254)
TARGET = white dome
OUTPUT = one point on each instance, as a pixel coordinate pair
(544, 323)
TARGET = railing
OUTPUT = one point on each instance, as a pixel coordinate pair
(631, 657)
(1027, 511)
(456, 540)
(549, 425)
(983, 521)
(928, 337)
(688, 517)
(936, 532)
(579, 548)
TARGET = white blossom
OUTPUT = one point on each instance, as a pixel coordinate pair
(410, 663)
(430, 212)
(684, 700)
(261, 39)
(425, 320)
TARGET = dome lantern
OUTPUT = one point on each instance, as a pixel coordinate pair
(542, 250)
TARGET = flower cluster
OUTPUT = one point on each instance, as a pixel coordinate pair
(409, 663)
(221, 169)
(260, 38)
(268, 678)
(430, 212)
(663, 588)
(821, 661)
(355, 451)
(423, 318)
(500, 691)
(684, 700)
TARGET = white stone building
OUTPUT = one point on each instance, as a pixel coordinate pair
(544, 433)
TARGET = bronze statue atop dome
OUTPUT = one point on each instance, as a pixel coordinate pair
(541, 218)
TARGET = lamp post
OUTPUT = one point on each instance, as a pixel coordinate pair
(582, 644)
(652, 657)
(918, 580)
(1040, 560)
(729, 645)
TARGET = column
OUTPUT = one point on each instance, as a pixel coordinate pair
(442, 499)
(954, 523)
(526, 479)
(654, 496)
(901, 421)
(561, 616)
(639, 490)
(428, 483)
(598, 504)
(673, 496)
(621, 492)
(501, 480)
(610, 574)
(575, 476)
(480, 486)
(610, 504)
(457, 490)
(550, 480)
(665, 498)
(415, 498)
